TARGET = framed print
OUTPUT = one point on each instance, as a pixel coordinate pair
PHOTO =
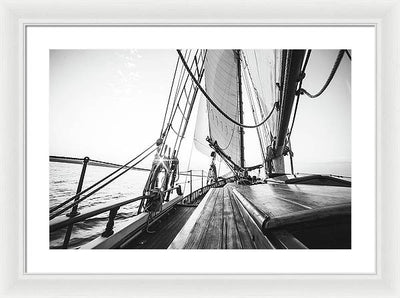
(155, 151)
(252, 204)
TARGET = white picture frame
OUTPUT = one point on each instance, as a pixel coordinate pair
(15, 16)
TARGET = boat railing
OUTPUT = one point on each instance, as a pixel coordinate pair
(82, 195)
(65, 221)
(69, 219)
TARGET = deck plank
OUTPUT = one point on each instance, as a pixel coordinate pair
(243, 232)
(214, 234)
(231, 239)
(199, 229)
(224, 222)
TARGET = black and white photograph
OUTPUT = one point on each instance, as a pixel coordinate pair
(200, 149)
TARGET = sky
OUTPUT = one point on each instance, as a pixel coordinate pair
(109, 105)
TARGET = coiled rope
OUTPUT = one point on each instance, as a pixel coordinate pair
(215, 105)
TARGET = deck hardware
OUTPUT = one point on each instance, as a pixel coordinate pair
(110, 224)
(74, 211)
(179, 190)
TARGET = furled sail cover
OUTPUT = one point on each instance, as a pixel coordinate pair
(221, 84)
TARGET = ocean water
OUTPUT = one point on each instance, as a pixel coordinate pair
(64, 179)
(327, 168)
(63, 183)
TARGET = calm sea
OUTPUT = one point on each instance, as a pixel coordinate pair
(64, 179)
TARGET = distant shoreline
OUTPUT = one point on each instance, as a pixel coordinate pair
(92, 162)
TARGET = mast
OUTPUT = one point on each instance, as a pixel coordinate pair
(240, 98)
(291, 69)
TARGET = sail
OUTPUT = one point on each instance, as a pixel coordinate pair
(221, 83)
(263, 73)
(202, 128)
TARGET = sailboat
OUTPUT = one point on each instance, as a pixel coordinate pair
(279, 209)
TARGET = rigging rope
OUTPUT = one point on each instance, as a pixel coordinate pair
(215, 105)
(246, 67)
(189, 104)
(177, 134)
(181, 91)
(101, 180)
(328, 81)
(97, 189)
(302, 91)
(188, 166)
(303, 71)
(348, 54)
(263, 130)
(260, 132)
(176, 96)
(233, 128)
(298, 94)
(258, 70)
(169, 97)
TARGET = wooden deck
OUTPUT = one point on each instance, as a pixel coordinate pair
(220, 222)
(165, 230)
(269, 216)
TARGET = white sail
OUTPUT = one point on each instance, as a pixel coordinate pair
(260, 71)
(202, 128)
(221, 82)
(263, 74)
